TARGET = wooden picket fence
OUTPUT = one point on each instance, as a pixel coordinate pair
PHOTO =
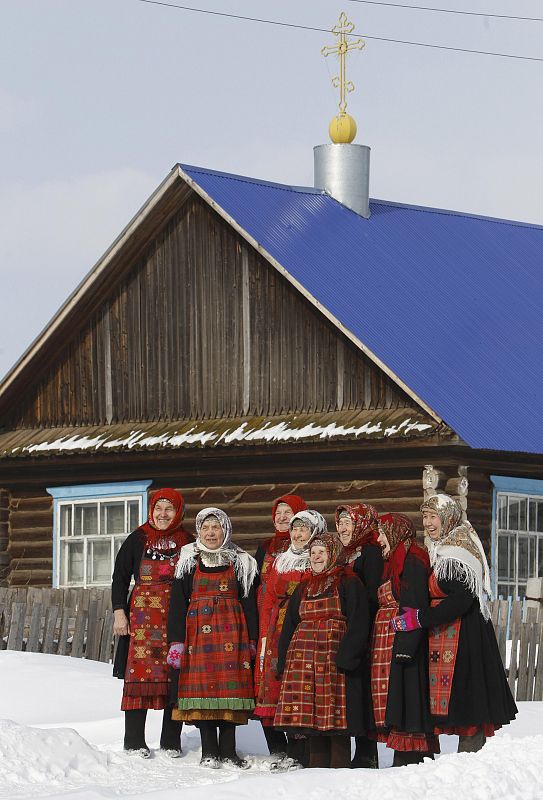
(79, 623)
(69, 622)
(522, 626)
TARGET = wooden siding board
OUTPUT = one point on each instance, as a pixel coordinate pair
(175, 336)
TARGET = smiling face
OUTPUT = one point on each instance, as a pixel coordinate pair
(345, 530)
(211, 533)
(283, 515)
(432, 524)
(300, 534)
(385, 546)
(163, 514)
(318, 558)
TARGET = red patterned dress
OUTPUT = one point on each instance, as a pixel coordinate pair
(274, 596)
(146, 676)
(215, 678)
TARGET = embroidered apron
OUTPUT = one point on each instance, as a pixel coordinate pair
(216, 665)
(443, 648)
(146, 677)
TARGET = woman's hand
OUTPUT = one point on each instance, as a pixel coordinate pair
(173, 659)
(120, 623)
(409, 621)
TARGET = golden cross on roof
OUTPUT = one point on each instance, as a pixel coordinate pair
(342, 29)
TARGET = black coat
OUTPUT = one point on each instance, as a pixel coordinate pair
(351, 655)
(408, 703)
(480, 692)
(369, 568)
(127, 566)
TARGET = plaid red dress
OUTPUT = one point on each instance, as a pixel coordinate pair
(313, 694)
(273, 606)
(215, 672)
(381, 651)
(146, 677)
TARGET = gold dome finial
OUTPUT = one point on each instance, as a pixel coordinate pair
(342, 128)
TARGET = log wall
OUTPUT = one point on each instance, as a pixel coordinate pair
(4, 537)
(249, 506)
(30, 538)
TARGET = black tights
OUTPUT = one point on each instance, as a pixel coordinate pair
(221, 746)
(134, 730)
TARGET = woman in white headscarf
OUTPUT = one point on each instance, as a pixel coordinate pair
(469, 693)
(212, 630)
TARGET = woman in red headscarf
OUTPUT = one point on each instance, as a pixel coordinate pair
(273, 594)
(322, 645)
(399, 664)
(357, 528)
(149, 555)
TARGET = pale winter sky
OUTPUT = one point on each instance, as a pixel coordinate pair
(100, 98)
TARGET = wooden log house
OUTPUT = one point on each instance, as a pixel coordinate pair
(207, 350)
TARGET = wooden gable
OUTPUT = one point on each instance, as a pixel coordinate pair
(200, 326)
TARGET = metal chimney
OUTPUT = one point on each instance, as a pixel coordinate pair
(343, 170)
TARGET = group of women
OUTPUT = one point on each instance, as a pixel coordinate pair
(323, 636)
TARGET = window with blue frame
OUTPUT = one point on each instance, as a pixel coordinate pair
(517, 534)
(90, 524)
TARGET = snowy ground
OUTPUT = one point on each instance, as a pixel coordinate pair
(61, 737)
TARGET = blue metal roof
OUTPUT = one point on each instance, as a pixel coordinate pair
(451, 303)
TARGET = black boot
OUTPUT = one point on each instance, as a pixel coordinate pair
(340, 751)
(170, 736)
(403, 758)
(471, 744)
(276, 741)
(134, 732)
(210, 745)
(227, 746)
(365, 756)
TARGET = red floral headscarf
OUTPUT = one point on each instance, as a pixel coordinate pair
(365, 520)
(401, 536)
(175, 531)
(317, 583)
(281, 539)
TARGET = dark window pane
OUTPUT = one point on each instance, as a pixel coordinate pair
(503, 558)
(539, 517)
(98, 561)
(72, 564)
(521, 591)
(502, 511)
(86, 519)
(505, 590)
(513, 514)
(540, 558)
(523, 513)
(532, 515)
(532, 541)
(512, 557)
(66, 520)
(522, 558)
(112, 519)
(133, 515)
